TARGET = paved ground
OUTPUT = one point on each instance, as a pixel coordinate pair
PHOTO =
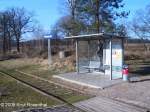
(94, 80)
(137, 92)
(56, 109)
(102, 104)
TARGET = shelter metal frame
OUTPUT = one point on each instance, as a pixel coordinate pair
(99, 36)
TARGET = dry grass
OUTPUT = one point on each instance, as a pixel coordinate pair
(14, 92)
(64, 65)
(39, 67)
(136, 51)
(21, 62)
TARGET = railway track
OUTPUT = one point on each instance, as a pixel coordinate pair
(39, 86)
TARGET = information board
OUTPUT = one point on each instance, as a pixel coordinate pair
(117, 60)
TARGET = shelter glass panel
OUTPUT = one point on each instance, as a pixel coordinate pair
(90, 56)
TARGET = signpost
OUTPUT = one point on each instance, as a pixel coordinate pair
(49, 49)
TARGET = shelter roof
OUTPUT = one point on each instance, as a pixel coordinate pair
(95, 36)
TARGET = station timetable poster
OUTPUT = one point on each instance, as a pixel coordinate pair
(117, 59)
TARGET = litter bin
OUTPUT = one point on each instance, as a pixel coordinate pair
(125, 72)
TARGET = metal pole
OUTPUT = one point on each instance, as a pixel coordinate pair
(49, 52)
(77, 58)
(88, 50)
(111, 59)
(122, 42)
(89, 53)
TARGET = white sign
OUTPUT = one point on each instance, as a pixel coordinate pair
(117, 59)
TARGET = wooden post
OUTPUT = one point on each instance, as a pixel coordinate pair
(49, 52)
(111, 59)
(77, 57)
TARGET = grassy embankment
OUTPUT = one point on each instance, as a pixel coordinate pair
(21, 94)
(14, 92)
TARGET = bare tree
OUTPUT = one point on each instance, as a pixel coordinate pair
(1, 38)
(9, 31)
(141, 25)
(5, 31)
(3, 25)
(39, 37)
(72, 6)
(20, 23)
